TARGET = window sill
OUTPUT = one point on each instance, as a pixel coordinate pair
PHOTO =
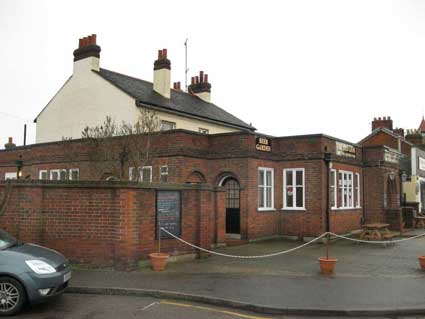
(294, 209)
(345, 208)
(266, 209)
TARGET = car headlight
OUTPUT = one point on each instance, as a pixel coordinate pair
(40, 267)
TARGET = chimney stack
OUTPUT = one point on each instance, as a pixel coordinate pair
(200, 87)
(87, 56)
(162, 74)
(385, 122)
(414, 137)
(9, 144)
(177, 86)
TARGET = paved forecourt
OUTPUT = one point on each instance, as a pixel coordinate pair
(368, 277)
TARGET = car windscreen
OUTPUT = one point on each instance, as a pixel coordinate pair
(6, 240)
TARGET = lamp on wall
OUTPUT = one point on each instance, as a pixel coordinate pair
(19, 164)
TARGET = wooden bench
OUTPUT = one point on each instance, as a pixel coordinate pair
(356, 233)
(390, 235)
(419, 222)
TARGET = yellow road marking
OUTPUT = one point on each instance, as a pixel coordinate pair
(211, 309)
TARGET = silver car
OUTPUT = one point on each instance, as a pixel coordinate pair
(29, 274)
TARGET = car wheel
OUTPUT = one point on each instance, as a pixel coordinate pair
(12, 296)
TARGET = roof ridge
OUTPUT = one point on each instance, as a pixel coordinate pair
(180, 101)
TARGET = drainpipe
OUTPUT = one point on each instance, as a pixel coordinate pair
(327, 160)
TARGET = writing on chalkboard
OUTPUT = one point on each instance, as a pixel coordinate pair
(168, 214)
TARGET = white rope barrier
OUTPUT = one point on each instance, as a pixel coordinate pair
(244, 257)
(376, 241)
(295, 248)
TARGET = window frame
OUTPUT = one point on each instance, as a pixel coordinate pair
(163, 174)
(70, 174)
(173, 124)
(57, 170)
(335, 187)
(344, 188)
(294, 185)
(264, 186)
(203, 130)
(41, 172)
(6, 174)
(141, 173)
(358, 202)
(131, 173)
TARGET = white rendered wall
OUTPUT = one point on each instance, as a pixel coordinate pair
(86, 99)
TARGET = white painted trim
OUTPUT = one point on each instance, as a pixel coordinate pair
(343, 188)
(414, 161)
(335, 188)
(59, 173)
(10, 175)
(131, 173)
(294, 185)
(161, 173)
(43, 171)
(357, 176)
(266, 169)
(141, 173)
(73, 170)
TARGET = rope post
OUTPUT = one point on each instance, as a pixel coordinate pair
(327, 245)
(159, 238)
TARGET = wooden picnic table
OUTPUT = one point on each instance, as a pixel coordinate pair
(376, 231)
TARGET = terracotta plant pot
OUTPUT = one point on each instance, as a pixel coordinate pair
(158, 260)
(327, 265)
(422, 262)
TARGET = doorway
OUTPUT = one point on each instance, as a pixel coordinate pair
(233, 220)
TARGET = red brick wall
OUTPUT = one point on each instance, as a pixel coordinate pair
(107, 224)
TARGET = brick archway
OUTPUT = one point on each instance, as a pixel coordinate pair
(196, 177)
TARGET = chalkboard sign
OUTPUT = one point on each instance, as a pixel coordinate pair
(168, 213)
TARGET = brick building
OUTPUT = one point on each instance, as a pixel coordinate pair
(232, 182)
(275, 185)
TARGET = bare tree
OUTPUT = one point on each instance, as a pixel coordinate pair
(116, 147)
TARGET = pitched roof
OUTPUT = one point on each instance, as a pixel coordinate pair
(422, 125)
(180, 102)
(386, 131)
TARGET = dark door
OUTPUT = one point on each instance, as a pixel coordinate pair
(233, 222)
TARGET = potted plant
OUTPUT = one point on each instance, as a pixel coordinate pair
(422, 262)
(327, 265)
(159, 260)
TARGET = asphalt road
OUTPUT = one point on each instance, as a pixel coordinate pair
(111, 307)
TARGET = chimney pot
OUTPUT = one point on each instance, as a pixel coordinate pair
(206, 78)
(197, 79)
(201, 76)
(159, 54)
(10, 140)
(164, 53)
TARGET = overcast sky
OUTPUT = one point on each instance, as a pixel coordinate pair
(287, 67)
